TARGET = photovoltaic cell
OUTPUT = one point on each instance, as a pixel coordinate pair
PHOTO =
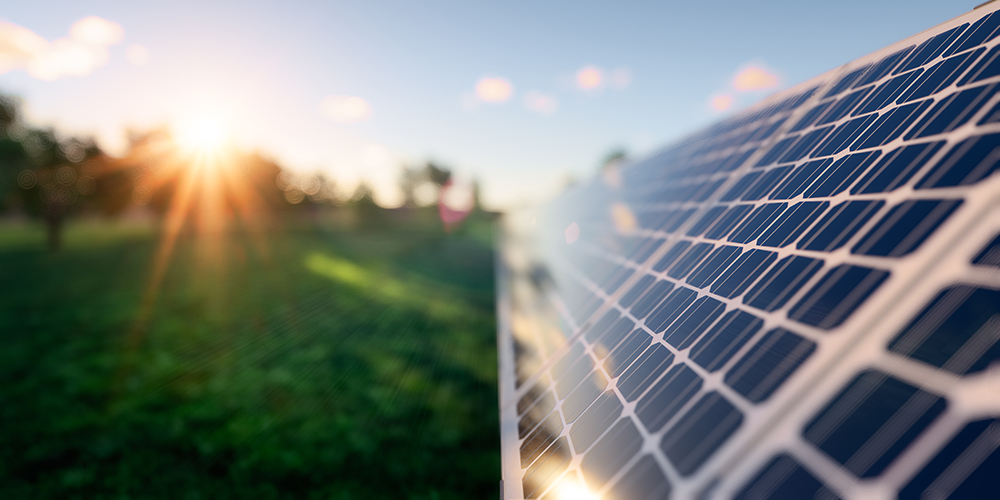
(799, 301)
(784, 478)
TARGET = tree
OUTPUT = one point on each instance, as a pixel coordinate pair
(44, 175)
(429, 175)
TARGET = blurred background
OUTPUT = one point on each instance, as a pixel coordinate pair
(247, 248)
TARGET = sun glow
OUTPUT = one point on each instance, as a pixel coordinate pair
(206, 131)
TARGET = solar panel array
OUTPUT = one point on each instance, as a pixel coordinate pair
(802, 300)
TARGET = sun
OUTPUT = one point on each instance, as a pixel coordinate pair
(206, 131)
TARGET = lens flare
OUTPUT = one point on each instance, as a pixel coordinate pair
(754, 78)
(202, 131)
(722, 102)
(491, 89)
(589, 78)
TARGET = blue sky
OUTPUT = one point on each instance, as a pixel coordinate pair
(267, 66)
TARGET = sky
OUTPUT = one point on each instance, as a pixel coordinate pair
(521, 96)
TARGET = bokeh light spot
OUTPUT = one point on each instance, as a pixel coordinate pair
(722, 102)
(572, 233)
(623, 218)
(540, 103)
(754, 78)
(346, 108)
(589, 78)
(491, 89)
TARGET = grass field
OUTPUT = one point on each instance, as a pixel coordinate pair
(309, 363)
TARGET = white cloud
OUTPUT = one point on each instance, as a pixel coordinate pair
(79, 54)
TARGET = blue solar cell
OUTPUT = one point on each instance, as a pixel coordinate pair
(897, 168)
(531, 397)
(806, 143)
(644, 481)
(644, 250)
(952, 112)
(741, 186)
(931, 48)
(535, 413)
(582, 397)
(839, 225)
(758, 222)
(713, 266)
(990, 256)
(568, 359)
(667, 396)
(602, 325)
(940, 76)
(810, 117)
(968, 162)
(768, 364)
(700, 432)
(792, 223)
(671, 309)
(628, 299)
(728, 221)
(764, 133)
(695, 321)
(965, 468)
(905, 227)
(845, 134)
(844, 106)
(644, 371)
(706, 221)
(776, 151)
(651, 298)
(800, 179)
(957, 331)
(871, 421)
(882, 68)
(689, 260)
(781, 282)
(540, 439)
(572, 377)
(611, 453)
(766, 183)
(610, 339)
(783, 478)
(747, 268)
(891, 125)
(837, 295)
(987, 67)
(668, 258)
(724, 339)
(547, 468)
(982, 31)
(594, 421)
(846, 81)
(707, 190)
(886, 93)
(625, 353)
(841, 175)
(674, 222)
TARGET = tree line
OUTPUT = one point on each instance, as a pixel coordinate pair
(52, 177)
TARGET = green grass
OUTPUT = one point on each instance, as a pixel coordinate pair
(310, 363)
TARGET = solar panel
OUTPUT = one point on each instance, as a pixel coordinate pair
(800, 301)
